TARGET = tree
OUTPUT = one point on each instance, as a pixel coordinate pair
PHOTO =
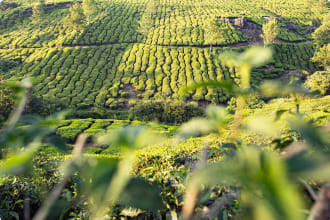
(145, 25)
(77, 18)
(212, 32)
(321, 35)
(7, 103)
(319, 80)
(4, 5)
(90, 8)
(317, 8)
(322, 56)
(146, 21)
(270, 31)
(38, 12)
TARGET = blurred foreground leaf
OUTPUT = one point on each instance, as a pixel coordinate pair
(263, 125)
(142, 195)
(217, 119)
(130, 138)
(280, 89)
(255, 56)
(264, 180)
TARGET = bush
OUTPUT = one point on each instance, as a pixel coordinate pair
(14, 190)
(42, 106)
(6, 103)
(167, 111)
(101, 113)
(35, 105)
(320, 81)
(6, 65)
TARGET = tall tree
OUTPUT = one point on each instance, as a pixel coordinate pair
(270, 31)
(145, 25)
(322, 56)
(321, 35)
(212, 32)
(38, 11)
(320, 81)
(90, 8)
(318, 7)
(146, 21)
(77, 18)
(7, 102)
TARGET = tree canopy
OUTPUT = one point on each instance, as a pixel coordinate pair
(77, 18)
(270, 31)
(90, 8)
(38, 11)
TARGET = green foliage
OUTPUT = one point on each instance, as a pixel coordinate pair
(38, 11)
(70, 129)
(7, 102)
(4, 5)
(270, 31)
(165, 111)
(90, 8)
(6, 65)
(122, 65)
(256, 170)
(217, 119)
(77, 18)
(64, 73)
(213, 32)
(322, 33)
(29, 133)
(34, 105)
(146, 21)
(320, 81)
(106, 67)
(145, 25)
(322, 56)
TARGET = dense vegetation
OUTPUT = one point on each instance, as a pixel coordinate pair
(105, 109)
(124, 64)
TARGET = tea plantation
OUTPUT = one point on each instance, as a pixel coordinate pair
(110, 64)
(164, 109)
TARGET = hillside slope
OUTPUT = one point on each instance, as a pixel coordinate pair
(110, 64)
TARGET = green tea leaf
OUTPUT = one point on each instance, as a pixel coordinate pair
(142, 195)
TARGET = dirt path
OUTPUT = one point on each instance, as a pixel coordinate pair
(250, 42)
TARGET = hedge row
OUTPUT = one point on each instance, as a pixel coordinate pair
(171, 23)
(118, 76)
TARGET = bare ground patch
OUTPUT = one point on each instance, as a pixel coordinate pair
(248, 28)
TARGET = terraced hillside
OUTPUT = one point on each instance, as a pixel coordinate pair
(111, 64)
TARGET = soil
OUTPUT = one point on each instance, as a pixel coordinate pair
(131, 90)
(248, 28)
(203, 103)
(270, 67)
(132, 94)
(6, 5)
(59, 5)
(253, 31)
(296, 73)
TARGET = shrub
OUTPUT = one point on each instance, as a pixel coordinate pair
(168, 111)
(319, 80)
(6, 65)
(6, 103)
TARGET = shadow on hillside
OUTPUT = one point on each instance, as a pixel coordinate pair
(7, 64)
(72, 76)
(117, 24)
(81, 77)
